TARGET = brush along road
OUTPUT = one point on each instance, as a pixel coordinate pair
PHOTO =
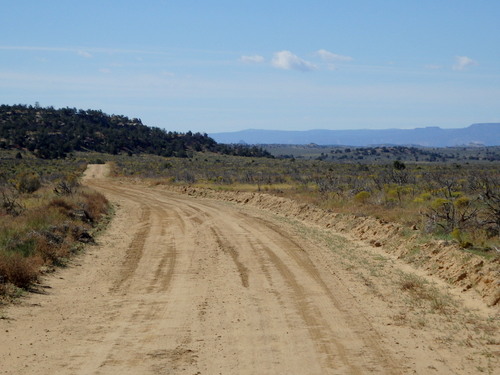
(183, 285)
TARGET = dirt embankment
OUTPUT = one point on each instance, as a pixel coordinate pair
(446, 260)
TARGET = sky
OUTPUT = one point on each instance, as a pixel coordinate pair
(217, 66)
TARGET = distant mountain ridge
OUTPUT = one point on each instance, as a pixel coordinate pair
(486, 134)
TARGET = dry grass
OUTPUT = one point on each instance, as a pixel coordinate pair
(422, 292)
(45, 233)
(63, 205)
(51, 250)
(95, 204)
(19, 270)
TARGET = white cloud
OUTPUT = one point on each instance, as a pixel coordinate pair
(252, 59)
(329, 56)
(287, 60)
(463, 62)
(83, 53)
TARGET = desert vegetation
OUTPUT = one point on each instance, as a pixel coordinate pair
(385, 154)
(45, 215)
(453, 201)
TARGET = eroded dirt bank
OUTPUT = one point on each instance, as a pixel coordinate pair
(185, 285)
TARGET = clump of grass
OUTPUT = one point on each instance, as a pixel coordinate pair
(63, 205)
(421, 292)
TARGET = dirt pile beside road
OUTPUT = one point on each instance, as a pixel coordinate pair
(466, 270)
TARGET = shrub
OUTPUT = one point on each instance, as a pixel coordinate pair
(9, 203)
(51, 251)
(362, 197)
(22, 246)
(399, 165)
(28, 182)
(441, 204)
(67, 185)
(62, 205)
(95, 204)
(462, 203)
(424, 197)
(18, 270)
(460, 237)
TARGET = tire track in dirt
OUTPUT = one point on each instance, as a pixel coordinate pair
(320, 332)
(343, 302)
(319, 329)
(165, 270)
(152, 246)
(135, 250)
(231, 250)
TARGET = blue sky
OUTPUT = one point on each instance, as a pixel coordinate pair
(220, 65)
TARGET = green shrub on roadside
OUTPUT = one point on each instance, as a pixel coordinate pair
(461, 238)
(362, 197)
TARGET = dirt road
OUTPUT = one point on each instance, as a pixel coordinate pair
(179, 285)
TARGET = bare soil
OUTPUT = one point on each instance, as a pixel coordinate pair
(190, 285)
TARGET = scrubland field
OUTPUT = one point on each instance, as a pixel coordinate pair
(454, 201)
(224, 264)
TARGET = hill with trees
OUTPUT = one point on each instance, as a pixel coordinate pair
(54, 133)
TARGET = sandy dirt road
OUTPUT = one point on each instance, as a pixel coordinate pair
(179, 285)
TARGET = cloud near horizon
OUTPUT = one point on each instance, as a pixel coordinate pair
(288, 61)
(463, 62)
(330, 56)
(83, 53)
(257, 59)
